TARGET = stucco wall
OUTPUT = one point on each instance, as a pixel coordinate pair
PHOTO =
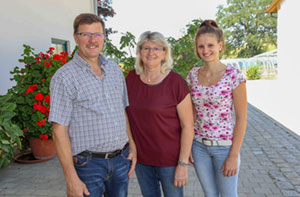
(34, 22)
(281, 98)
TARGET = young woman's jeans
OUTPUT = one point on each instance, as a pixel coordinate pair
(150, 176)
(104, 176)
(208, 161)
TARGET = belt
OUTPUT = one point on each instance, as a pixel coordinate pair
(108, 155)
(209, 142)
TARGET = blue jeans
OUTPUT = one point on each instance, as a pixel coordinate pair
(208, 161)
(149, 178)
(104, 176)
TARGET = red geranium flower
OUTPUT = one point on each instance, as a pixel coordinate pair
(41, 122)
(44, 137)
(56, 57)
(37, 106)
(39, 97)
(47, 63)
(47, 99)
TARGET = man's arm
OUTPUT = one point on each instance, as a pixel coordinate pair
(75, 187)
(132, 148)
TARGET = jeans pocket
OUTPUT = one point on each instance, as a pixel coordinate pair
(80, 161)
(125, 154)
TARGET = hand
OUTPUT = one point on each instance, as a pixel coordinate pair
(181, 176)
(133, 158)
(230, 166)
(76, 188)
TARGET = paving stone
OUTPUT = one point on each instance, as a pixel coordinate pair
(290, 193)
(270, 167)
(284, 185)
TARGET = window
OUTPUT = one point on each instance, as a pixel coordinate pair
(59, 45)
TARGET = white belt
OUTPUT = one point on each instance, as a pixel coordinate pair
(209, 142)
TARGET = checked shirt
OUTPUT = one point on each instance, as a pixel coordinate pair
(93, 109)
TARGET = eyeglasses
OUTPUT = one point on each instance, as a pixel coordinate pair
(87, 35)
(155, 49)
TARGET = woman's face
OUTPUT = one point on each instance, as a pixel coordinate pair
(152, 54)
(208, 47)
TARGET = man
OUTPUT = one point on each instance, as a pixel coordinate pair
(90, 126)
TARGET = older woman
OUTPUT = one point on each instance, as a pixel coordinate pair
(161, 118)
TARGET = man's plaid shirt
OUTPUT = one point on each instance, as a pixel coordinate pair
(94, 109)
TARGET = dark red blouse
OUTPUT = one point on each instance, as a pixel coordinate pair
(153, 118)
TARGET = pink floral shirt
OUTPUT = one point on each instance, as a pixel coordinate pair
(214, 104)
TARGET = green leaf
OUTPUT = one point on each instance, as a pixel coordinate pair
(4, 98)
(20, 100)
(4, 141)
(7, 107)
(7, 115)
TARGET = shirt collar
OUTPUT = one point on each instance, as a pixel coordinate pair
(80, 61)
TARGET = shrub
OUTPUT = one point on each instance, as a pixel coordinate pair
(9, 133)
(31, 93)
(253, 73)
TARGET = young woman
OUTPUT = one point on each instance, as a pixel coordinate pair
(217, 91)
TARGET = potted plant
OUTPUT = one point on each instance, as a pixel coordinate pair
(31, 95)
(9, 133)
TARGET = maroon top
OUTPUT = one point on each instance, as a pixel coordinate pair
(153, 118)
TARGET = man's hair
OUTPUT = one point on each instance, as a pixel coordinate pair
(156, 38)
(87, 18)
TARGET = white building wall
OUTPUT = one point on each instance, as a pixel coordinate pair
(281, 98)
(35, 22)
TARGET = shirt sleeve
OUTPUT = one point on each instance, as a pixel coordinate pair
(125, 93)
(237, 78)
(190, 76)
(61, 104)
(183, 88)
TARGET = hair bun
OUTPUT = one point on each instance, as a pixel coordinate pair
(209, 23)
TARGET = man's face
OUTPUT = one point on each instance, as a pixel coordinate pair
(90, 39)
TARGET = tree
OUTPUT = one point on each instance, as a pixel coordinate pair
(247, 28)
(183, 49)
(105, 10)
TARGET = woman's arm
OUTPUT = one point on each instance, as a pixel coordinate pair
(185, 113)
(240, 106)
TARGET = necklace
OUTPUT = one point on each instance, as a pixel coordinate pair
(212, 77)
(149, 79)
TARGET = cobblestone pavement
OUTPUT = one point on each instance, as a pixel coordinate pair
(270, 167)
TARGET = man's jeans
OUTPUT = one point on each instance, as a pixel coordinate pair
(150, 176)
(104, 176)
(208, 161)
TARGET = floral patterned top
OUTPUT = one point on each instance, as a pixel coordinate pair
(214, 104)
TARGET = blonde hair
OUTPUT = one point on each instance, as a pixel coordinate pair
(156, 38)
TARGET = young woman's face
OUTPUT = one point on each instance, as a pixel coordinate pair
(208, 47)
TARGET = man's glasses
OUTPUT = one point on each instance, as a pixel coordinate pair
(87, 35)
(155, 49)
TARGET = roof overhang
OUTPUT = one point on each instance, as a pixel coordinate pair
(274, 6)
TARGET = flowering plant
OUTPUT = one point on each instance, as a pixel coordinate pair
(31, 92)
